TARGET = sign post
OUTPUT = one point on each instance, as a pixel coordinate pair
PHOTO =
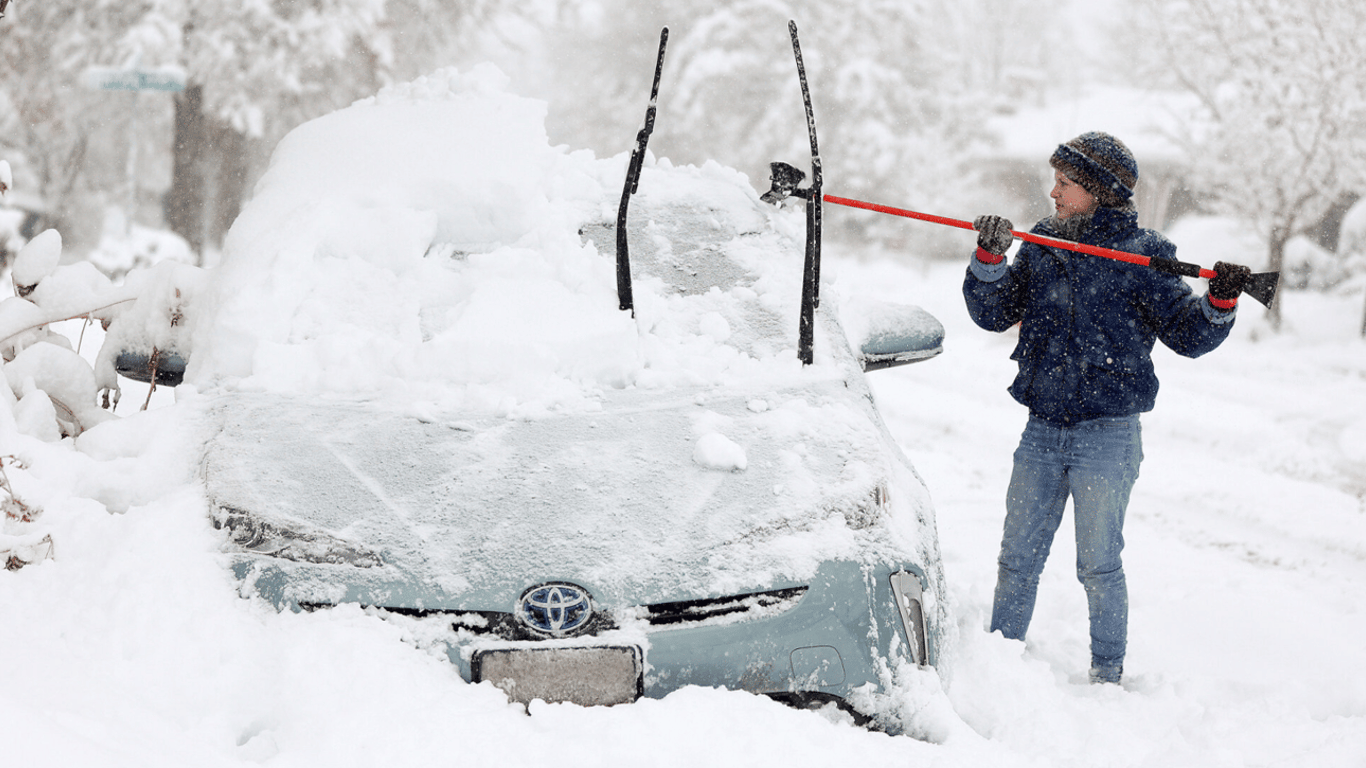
(135, 79)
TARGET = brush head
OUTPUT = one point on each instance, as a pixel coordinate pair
(1262, 287)
(785, 179)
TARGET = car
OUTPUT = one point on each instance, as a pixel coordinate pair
(647, 500)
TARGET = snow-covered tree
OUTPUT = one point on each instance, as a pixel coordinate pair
(900, 88)
(1281, 138)
(254, 70)
(47, 122)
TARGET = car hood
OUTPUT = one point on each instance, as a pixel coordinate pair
(658, 496)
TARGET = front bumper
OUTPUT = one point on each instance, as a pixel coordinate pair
(847, 627)
(842, 632)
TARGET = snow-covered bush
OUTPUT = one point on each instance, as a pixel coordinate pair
(54, 393)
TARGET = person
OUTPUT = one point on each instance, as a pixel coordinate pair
(1087, 329)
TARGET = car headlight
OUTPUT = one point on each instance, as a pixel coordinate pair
(250, 533)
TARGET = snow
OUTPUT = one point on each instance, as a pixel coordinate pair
(446, 268)
(716, 451)
(133, 646)
(37, 259)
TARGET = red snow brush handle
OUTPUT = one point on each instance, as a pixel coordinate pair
(1165, 265)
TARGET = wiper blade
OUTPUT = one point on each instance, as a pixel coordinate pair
(625, 300)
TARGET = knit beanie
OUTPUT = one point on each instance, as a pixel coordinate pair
(1101, 164)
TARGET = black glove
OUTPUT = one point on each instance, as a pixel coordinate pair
(1229, 280)
(993, 234)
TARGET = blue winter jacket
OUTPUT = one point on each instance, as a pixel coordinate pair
(1088, 324)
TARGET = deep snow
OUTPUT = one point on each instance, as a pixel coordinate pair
(1246, 558)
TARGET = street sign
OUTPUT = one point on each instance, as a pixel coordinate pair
(135, 79)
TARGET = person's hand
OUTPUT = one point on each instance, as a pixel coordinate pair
(993, 234)
(1228, 281)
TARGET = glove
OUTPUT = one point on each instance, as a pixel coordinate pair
(1229, 280)
(993, 234)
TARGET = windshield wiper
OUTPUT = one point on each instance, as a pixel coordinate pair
(624, 298)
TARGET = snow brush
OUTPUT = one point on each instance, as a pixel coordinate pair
(785, 178)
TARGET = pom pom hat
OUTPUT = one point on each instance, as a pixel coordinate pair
(1101, 164)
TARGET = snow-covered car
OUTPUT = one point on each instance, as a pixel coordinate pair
(421, 396)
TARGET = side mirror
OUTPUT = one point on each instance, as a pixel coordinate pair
(167, 369)
(898, 334)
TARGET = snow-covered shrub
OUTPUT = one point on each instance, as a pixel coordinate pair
(36, 260)
(53, 393)
(43, 372)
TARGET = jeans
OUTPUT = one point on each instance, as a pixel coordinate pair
(1096, 463)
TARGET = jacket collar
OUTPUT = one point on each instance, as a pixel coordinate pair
(1107, 225)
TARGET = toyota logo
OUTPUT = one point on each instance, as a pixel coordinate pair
(555, 610)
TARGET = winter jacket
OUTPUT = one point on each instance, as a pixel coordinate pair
(1088, 324)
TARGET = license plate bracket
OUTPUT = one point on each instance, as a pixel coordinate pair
(588, 676)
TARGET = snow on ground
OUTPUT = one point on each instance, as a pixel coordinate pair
(1246, 561)
(1246, 557)
(1246, 546)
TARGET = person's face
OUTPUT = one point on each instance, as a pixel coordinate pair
(1069, 197)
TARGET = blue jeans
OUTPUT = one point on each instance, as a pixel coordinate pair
(1096, 463)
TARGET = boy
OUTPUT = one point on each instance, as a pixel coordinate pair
(1087, 328)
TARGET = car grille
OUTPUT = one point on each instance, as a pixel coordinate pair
(674, 615)
(732, 608)
(495, 624)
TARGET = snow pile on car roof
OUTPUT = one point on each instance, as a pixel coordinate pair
(426, 242)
